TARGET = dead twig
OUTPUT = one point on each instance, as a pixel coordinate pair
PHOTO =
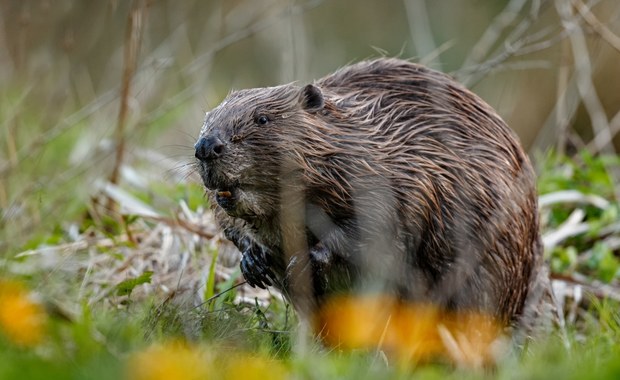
(133, 39)
(516, 43)
(583, 72)
(573, 226)
(597, 26)
(572, 196)
(562, 115)
(493, 33)
(420, 29)
(585, 86)
(594, 288)
(608, 134)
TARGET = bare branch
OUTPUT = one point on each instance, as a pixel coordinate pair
(583, 72)
(493, 33)
(562, 117)
(133, 40)
(598, 27)
(573, 226)
(606, 137)
(572, 196)
(420, 29)
(516, 43)
(595, 288)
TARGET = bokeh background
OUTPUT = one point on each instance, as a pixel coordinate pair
(550, 68)
(108, 248)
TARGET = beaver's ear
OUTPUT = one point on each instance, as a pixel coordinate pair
(311, 98)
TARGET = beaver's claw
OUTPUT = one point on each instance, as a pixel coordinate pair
(255, 265)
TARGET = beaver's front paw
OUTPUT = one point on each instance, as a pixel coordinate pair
(315, 267)
(255, 265)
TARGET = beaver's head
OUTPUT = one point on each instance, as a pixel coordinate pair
(245, 150)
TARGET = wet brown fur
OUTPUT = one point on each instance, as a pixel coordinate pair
(384, 175)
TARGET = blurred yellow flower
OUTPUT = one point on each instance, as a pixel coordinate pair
(170, 361)
(246, 367)
(22, 320)
(408, 332)
(177, 360)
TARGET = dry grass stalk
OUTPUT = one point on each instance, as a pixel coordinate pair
(133, 39)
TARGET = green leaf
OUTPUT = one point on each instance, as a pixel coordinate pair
(608, 267)
(603, 262)
(210, 286)
(126, 287)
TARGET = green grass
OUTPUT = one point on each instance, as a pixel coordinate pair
(100, 347)
(95, 330)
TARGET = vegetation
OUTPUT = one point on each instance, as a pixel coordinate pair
(90, 305)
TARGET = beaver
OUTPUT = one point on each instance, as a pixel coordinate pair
(385, 176)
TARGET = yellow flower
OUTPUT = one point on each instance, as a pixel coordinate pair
(177, 360)
(355, 322)
(170, 361)
(22, 320)
(246, 367)
(408, 332)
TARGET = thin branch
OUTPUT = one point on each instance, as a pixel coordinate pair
(514, 44)
(420, 29)
(595, 288)
(598, 27)
(41, 140)
(583, 72)
(133, 39)
(605, 138)
(573, 226)
(562, 116)
(493, 33)
(244, 33)
(572, 196)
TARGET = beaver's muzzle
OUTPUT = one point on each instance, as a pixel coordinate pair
(209, 148)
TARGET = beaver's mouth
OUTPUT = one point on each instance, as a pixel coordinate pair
(226, 198)
(215, 180)
(226, 192)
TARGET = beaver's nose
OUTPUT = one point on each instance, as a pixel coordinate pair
(209, 148)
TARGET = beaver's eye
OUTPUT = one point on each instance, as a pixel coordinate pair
(262, 120)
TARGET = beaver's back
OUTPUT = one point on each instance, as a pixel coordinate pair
(449, 179)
